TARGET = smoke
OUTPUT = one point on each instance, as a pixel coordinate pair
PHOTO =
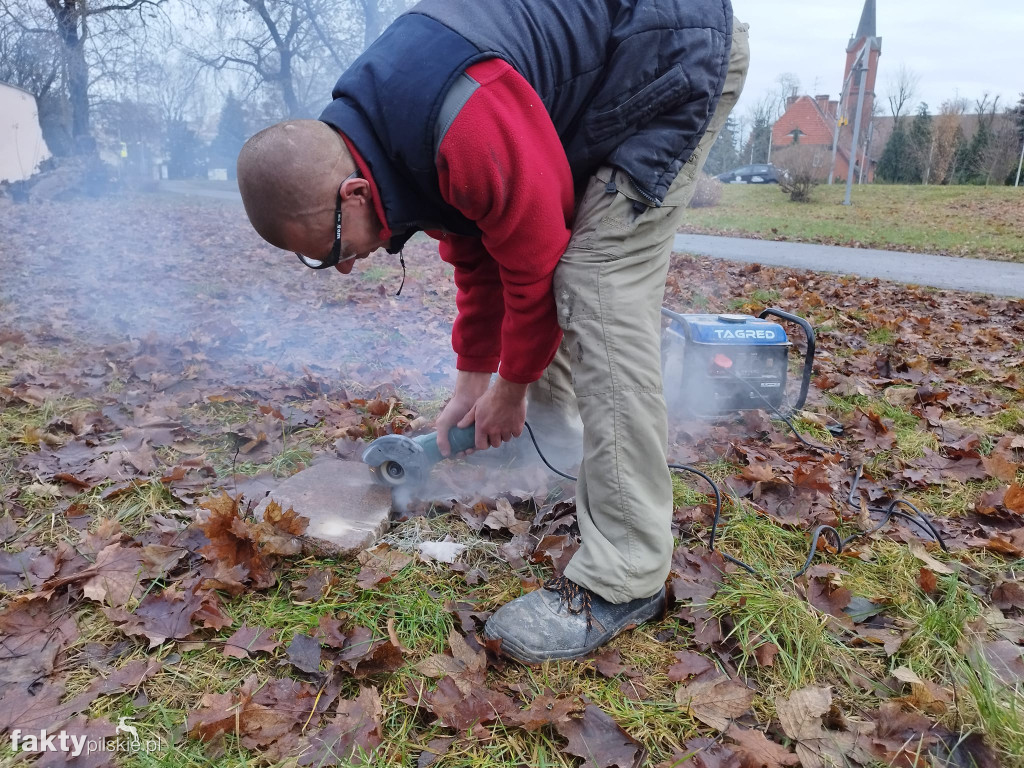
(181, 273)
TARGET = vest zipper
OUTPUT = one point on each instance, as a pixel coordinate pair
(644, 193)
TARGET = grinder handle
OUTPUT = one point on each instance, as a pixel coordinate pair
(459, 438)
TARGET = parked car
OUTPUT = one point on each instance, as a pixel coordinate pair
(753, 174)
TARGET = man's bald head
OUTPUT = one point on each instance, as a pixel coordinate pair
(290, 172)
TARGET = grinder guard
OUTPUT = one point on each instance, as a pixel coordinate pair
(396, 460)
(399, 460)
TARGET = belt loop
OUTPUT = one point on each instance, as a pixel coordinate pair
(610, 188)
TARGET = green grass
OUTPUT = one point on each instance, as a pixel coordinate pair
(982, 222)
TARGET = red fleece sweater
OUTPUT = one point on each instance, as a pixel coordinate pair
(501, 164)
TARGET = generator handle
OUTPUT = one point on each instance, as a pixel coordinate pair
(673, 315)
(805, 382)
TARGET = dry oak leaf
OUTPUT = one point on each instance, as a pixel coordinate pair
(599, 740)
(756, 750)
(280, 532)
(248, 640)
(304, 653)
(801, 719)
(118, 573)
(231, 541)
(715, 702)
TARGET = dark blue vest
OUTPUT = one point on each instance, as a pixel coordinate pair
(628, 83)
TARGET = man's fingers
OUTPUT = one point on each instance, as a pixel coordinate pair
(442, 441)
(468, 419)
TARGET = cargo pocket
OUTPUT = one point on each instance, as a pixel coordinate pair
(613, 219)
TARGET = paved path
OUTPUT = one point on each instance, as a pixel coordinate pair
(996, 277)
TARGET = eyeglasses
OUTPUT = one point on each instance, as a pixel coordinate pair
(334, 258)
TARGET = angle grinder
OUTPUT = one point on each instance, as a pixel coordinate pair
(397, 460)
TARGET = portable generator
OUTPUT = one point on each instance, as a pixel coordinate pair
(718, 364)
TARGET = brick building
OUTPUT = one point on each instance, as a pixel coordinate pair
(812, 120)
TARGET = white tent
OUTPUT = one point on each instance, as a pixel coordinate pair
(22, 147)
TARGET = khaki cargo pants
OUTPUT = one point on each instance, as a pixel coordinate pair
(609, 288)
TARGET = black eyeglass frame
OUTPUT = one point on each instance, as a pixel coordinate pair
(334, 259)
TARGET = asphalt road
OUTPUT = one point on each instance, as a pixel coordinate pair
(999, 278)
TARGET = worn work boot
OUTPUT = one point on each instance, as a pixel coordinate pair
(565, 621)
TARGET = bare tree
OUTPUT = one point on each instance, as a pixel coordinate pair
(901, 92)
(947, 128)
(29, 58)
(297, 48)
(71, 22)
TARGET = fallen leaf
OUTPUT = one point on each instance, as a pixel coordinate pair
(599, 740)
(918, 551)
(756, 750)
(688, 664)
(250, 640)
(304, 654)
(801, 717)
(715, 702)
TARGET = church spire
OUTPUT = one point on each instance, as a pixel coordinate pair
(866, 28)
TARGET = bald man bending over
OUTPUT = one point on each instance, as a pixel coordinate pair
(551, 149)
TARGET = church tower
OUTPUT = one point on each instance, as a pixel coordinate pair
(864, 36)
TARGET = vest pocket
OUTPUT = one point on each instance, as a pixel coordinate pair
(655, 98)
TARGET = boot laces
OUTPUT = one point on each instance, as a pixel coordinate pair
(576, 599)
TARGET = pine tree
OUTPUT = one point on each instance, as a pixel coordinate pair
(892, 166)
(972, 169)
(920, 145)
(723, 155)
(758, 142)
(231, 135)
(184, 151)
(1018, 115)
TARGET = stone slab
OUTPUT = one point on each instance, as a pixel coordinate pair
(347, 510)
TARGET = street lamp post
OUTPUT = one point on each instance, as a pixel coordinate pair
(1020, 163)
(861, 70)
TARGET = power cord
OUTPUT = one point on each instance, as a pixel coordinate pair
(918, 518)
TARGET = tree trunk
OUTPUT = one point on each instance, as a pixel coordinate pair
(68, 18)
(291, 102)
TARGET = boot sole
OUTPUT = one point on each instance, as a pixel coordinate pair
(641, 615)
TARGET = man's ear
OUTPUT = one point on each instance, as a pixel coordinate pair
(355, 187)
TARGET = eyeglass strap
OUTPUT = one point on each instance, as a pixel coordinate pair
(401, 259)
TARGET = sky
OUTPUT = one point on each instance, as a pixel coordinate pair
(954, 47)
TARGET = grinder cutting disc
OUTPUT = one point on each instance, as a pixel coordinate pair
(397, 460)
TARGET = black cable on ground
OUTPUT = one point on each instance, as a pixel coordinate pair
(718, 514)
(918, 518)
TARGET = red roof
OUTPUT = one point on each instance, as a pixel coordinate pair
(806, 115)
